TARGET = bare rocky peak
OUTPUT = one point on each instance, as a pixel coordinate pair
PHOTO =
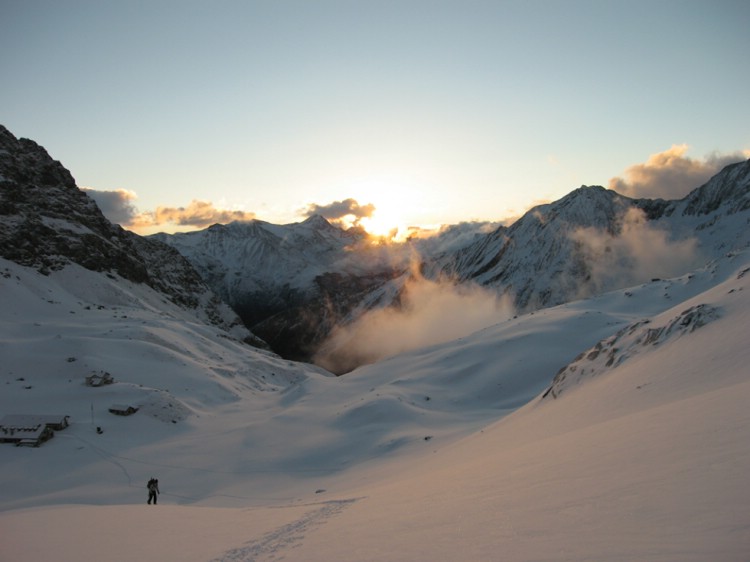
(47, 222)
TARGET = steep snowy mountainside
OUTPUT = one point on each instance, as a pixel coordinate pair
(728, 191)
(534, 259)
(59, 326)
(594, 240)
(274, 255)
(48, 223)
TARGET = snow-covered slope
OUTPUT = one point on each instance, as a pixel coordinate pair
(646, 461)
(401, 460)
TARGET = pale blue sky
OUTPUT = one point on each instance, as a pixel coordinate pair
(445, 111)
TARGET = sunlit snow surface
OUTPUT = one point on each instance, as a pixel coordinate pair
(445, 453)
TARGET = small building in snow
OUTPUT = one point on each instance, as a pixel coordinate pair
(99, 379)
(30, 429)
(122, 410)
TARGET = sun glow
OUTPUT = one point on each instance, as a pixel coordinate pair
(382, 227)
(392, 198)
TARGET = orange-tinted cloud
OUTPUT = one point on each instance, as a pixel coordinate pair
(670, 174)
(198, 214)
(340, 211)
(117, 206)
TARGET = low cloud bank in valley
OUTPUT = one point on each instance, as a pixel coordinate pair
(670, 174)
(451, 237)
(641, 251)
(429, 313)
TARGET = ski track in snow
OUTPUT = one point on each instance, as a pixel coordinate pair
(273, 545)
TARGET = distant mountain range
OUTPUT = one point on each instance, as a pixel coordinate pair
(290, 285)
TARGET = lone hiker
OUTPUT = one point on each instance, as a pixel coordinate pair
(153, 490)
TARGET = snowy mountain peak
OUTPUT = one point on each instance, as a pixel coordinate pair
(588, 242)
(317, 222)
(585, 206)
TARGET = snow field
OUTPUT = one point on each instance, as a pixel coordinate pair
(417, 457)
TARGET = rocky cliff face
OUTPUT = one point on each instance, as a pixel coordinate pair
(47, 223)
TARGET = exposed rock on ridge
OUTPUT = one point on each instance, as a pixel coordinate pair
(47, 223)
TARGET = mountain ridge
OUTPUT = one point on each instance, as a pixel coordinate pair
(294, 284)
(48, 223)
(549, 256)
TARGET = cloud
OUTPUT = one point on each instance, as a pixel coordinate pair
(198, 214)
(339, 211)
(116, 205)
(450, 238)
(671, 174)
(428, 313)
(638, 253)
